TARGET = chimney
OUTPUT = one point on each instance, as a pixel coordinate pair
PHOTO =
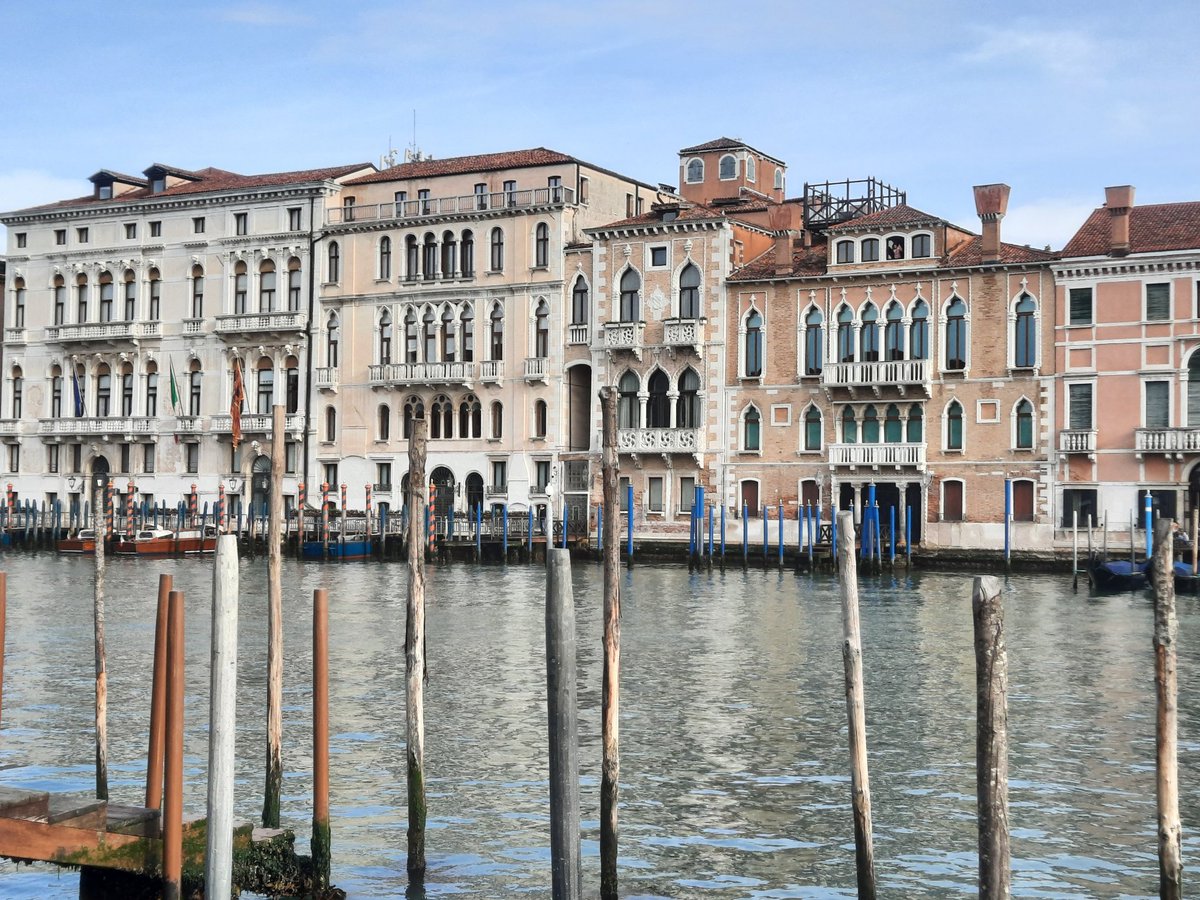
(991, 203)
(1119, 201)
(783, 253)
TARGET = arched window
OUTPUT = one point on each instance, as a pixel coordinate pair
(385, 257)
(385, 337)
(81, 298)
(754, 344)
(870, 426)
(631, 284)
(497, 420)
(18, 392)
(1025, 333)
(870, 250)
(658, 408)
(541, 245)
(689, 292)
(539, 418)
(56, 394)
(893, 333)
(954, 426)
(497, 250)
(1193, 391)
(496, 328)
(449, 255)
(779, 179)
(956, 335)
(468, 332)
(469, 417)
(291, 373)
(60, 300)
(385, 422)
(687, 406)
(330, 424)
(895, 247)
(264, 384)
(1024, 430)
(893, 428)
(449, 345)
(812, 429)
(441, 425)
(197, 310)
(429, 257)
(814, 342)
(130, 299)
(412, 258)
(295, 280)
(869, 334)
(849, 426)
(541, 331)
(334, 267)
(845, 335)
(921, 246)
(918, 332)
(845, 251)
(429, 335)
(751, 170)
(695, 171)
(106, 297)
(915, 431)
(580, 303)
(332, 338)
(18, 319)
(752, 429)
(413, 409)
(241, 289)
(728, 167)
(410, 335)
(467, 254)
(266, 286)
(628, 408)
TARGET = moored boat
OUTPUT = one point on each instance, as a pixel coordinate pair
(1185, 580)
(164, 542)
(357, 549)
(1111, 575)
(82, 542)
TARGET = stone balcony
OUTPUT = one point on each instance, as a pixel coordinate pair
(535, 368)
(102, 333)
(897, 374)
(427, 373)
(270, 324)
(257, 423)
(97, 426)
(578, 334)
(10, 428)
(326, 378)
(685, 333)
(189, 425)
(1166, 440)
(15, 336)
(624, 336)
(875, 456)
(1077, 440)
(658, 440)
(492, 371)
(458, 206)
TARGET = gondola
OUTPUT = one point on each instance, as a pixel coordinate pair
(1113, 575)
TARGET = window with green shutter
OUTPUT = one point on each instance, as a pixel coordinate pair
(1158, 404)
(1079, 402)
(1158, 301)
(1080, 302)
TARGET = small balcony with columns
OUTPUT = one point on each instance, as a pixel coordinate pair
(283, 325)
(408, 374)
(101, 335)
(662, 433)
(878, 378)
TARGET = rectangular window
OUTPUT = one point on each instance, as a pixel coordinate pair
(658, 257)
(583, 189)
(152, 394)
(193, 458)
(1158, 404)
(1162, 505)
(198, 225)
(294, 218)
(156, 229)
(654, 494)
(60, 236)
(542, 476)
(52, 458)
(687, 494)
(423, 196)
(628, 206)
(1079, 407)
(481, 196)
(510, 193)
(22, 237)
(1081, 306)
(155, 298)
(291, 457)
(14, 457)
(499, 474)
(331, 474)
(241, 222)
(77, 457)
(130, 231)
(125, 466)
(81, 235)
(952, 501)
(1158, 302)
(623, 490)
(554, 183)
(383, 476)
(148, 458)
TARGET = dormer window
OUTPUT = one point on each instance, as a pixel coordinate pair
(870, 250)
(921, 246)
(104, 192)
(895, 247)
(845, 251)
(158, 184)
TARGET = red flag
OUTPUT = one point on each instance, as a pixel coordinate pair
(235, 405)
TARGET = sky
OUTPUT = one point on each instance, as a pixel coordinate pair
(1057, 100)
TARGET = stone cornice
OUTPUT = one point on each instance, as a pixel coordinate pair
(1126, 267)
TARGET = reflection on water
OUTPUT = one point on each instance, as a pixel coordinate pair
(733, 733)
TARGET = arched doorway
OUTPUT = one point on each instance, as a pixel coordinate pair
(260, 484)
(579, 407)
(443, 480)
(474, 492)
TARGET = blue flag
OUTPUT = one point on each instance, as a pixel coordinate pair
(78, 394)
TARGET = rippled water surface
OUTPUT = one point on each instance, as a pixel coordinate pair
(734, 767)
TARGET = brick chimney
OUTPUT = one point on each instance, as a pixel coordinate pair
(991, 203)
(783, 253)
(1119, 201)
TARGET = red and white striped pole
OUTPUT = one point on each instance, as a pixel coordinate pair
(192, 499)
(368, 511)
(221, 508)
(129, 528)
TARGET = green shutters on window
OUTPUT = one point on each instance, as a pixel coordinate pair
(1158, 301)
(1158, 404)
(1079, 401)
(1080, 300)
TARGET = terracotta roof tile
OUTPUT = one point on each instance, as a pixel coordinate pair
(721, 143)
(459, 165)
(806, 261)
(893, 217)
(690, 213)
(970, 253)
(1153, 228)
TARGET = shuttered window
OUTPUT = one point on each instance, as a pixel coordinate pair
(1081, 306)
(1158, 404)
(1158, 301)
(952, 501)
(1079, 398)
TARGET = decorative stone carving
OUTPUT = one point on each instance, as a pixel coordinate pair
(657, 301)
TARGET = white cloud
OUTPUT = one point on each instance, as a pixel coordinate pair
(1064, 53)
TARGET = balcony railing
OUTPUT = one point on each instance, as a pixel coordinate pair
(70, 425)
(327, 378)
(102, 331)
(683, 332)
(496, 490)
(193, 326)
(14, 335)
(464, 204)
(382, 487)
(535, 368)
(1077, 441)
(189, 424)
(899, 372)
(658, 440)
(624, 336)
(1167, 440)
(256, 323)
(10, 426)
(578, 334)
(257, 423)
(422, 373)
(492, 370)
(877, 455)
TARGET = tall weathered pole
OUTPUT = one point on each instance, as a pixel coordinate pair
(991, 739)
(1170, 852)
(320, 832)
(562, 714)
(101, 665)
(610, 768)
(222, 719)
(158, 699)
(860, 783)
(274, 780)
(172, 812)
(414, 651)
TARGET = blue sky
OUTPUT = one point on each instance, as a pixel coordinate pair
(1056, 99)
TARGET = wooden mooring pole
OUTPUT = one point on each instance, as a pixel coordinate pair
(320, 829)
(3, 628)
(274, 774)
(562, 708)
(991, 739)
(101, 655)
(610, 767)
(1170, 852)
(860, 784)
(414, 652)
(158, 699)
(222, 719)
(172, 814)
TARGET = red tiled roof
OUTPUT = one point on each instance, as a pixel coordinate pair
(721, 143)
(805, 261)
(690, 213)
(1152, 229)
(893, 217)
(118, 176)
(459, 165)
(970, 253)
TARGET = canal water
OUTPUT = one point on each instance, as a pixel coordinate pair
(734, 766)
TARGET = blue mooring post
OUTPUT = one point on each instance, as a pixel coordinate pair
(878, 536)
(1007, 520)
(478, 531)
(908, 537)
(892, 532)
(722, 533)
(505, 508)
(710, 534)
(599, 527)
(745, 533)
(814, 530)
(698, 514)
(779, 511)
(1148, 524)
(629, 539)
(450, 522)
(692, 527)
(833, 537)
